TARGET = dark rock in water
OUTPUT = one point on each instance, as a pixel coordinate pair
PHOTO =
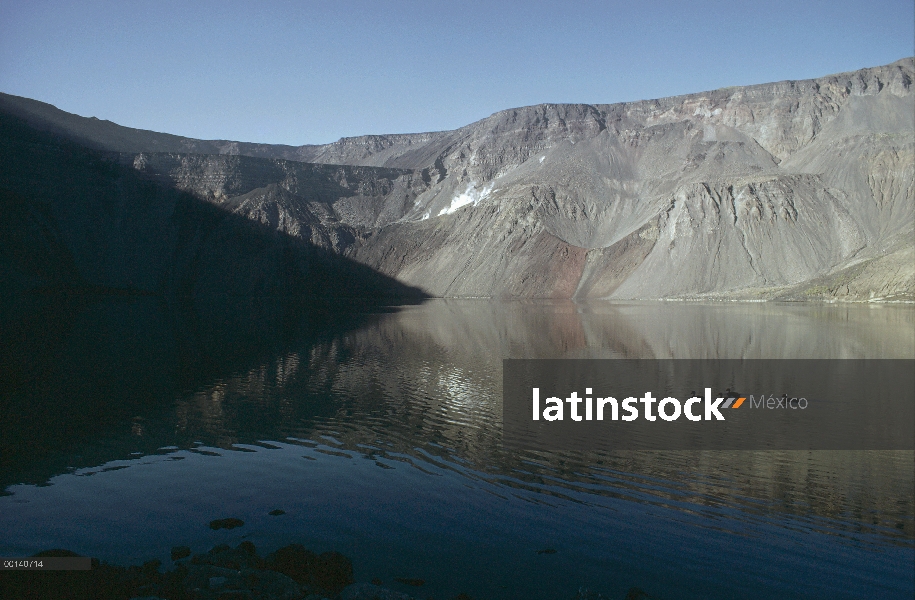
(151, 567)
(639, 594)
(376, 581)
(333, 572)
(330, 571)
(247, 547)
(214, 550)
(211, 582)
(226, 523)
(179, 552)
(277, 512)
(547, 551)
(410, 581)
(294, 561)
(223, 556)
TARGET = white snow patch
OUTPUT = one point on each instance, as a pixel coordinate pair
(542, 158)
(470, 196)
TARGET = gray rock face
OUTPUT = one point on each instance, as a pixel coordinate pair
(798, 189)
(741, 193)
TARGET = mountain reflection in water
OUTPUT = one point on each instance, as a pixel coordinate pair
(245, 397)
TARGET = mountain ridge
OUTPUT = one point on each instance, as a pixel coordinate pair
(48, 117)
(738, 193)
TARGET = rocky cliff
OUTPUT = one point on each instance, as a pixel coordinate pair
(82, 220)
(799, 189)
(794, 189)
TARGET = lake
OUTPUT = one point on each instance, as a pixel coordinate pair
(128, 425)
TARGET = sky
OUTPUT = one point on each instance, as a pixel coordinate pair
(298, 72)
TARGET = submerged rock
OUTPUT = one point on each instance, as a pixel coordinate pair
(179, 552)
(207, 581)
(243, 556)
(226, 523)
(329, 571)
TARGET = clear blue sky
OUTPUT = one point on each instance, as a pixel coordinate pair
(311, 72)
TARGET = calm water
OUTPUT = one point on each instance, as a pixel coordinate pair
(128, 426)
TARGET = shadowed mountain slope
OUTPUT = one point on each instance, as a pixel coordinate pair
(797, 189)
(78, 219)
